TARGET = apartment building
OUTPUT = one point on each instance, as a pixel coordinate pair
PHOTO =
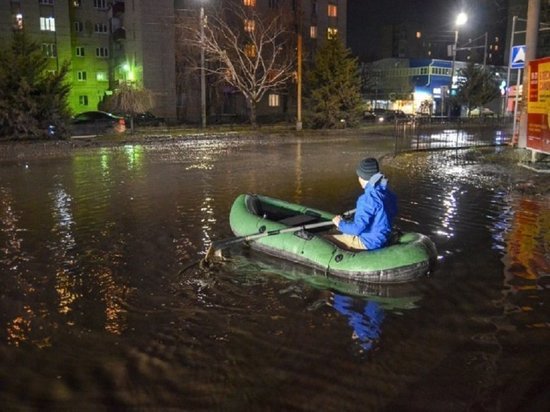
(110, 41)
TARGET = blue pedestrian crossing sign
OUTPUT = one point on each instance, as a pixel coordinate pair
(517, 57)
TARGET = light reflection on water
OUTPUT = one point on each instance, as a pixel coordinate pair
(96, 309)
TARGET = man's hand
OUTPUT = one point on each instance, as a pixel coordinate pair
(336, 220)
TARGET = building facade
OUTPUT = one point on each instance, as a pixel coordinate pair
(417, 85)
(113, 41)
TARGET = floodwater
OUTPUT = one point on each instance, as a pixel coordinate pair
(105, 305)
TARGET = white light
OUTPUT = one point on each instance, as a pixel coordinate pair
(461, 19)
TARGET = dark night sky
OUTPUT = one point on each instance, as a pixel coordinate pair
(366, 17)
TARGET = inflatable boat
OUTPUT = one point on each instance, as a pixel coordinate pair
(299, 233)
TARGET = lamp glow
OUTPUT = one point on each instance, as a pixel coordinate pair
(461, 19)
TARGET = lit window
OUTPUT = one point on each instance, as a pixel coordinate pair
(81, 76)
(332, 10)
(78, 26)
(102, 52)
(250, 50)
(80, 51)
(100, 28)
(249, 3)
(249, 25)
(18, 21)
(273, 100)
(101, 76)
(313, 32)
(332, 33)
(418, 34)
(100, 4)
(49, 49)
(83, 100)
(47, 24)
(76, 3)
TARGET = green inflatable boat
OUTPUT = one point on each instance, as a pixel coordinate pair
(297, 233)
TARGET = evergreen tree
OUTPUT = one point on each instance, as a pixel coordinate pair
(477, 87)
(33, 101)
(333, 88)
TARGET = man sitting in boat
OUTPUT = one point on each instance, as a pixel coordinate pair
(376, 208)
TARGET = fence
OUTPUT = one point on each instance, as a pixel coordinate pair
(442, 133)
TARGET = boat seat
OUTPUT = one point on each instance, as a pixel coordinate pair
(298, 220)
(255, 206)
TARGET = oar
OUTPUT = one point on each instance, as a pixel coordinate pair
(216, 246)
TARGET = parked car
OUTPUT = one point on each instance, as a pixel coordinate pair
(392, 116)
(145, 119)
(94, 123)
(484, 113)
(369, 116)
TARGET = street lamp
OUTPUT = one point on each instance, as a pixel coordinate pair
(461, 19)
(203, 77)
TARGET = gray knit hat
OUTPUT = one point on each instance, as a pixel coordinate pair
(367, 168)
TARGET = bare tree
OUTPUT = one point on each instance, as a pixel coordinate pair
(130, 100)
(248, 49)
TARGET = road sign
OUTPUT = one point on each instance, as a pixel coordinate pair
(517, 57)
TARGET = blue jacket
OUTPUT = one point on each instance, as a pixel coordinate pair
(367, 324)
(376, 209)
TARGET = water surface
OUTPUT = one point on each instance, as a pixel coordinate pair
(102, 305)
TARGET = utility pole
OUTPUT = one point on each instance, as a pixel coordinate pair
(533, 12)
(299, 68)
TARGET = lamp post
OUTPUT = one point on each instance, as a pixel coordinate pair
(299, 68)
(461, 19)
(203, 77)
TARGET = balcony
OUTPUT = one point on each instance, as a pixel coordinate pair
(119, 34)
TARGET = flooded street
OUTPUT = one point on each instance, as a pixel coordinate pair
(104, 304)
